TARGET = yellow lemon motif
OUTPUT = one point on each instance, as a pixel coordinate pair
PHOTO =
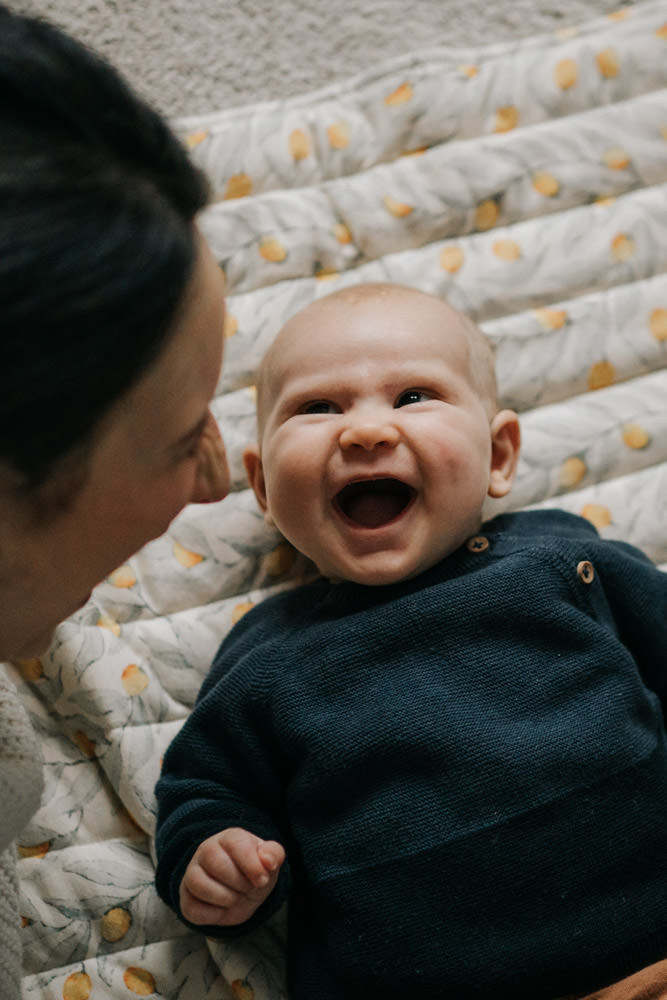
(342, 233)
(123, 577)
(597, 514)
(468, 70)
(662, 32)
(281, 560)
(240, 610)
(134, 680)
(326, 273)
(451, 259)
(507, 249)
(242, 989)
(608, 62)
(399, 209)
(185, 557)
(604, 199)
(486, 214)
(238, 186)
(85, 744)
(622, 247)
(110, 624)
(657, 324)
(616, 158)
(618, 15)
(272, 250)
(115, 923)
(566, 73)
(601, 375)
(195, 138)
(338, 135)
(546, 184)
(299, 144)
(231, 325)
(551, 319)
(34, 850)
(572, 471)
(663, 130)
(78, 986)
(139, 981)
(635, 437)
(401, 95)
(506, 119)
(31, 670)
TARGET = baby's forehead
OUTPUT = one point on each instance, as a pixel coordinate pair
(339, 322)
(333, 323)
(404, 309)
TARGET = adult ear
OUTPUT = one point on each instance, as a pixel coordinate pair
(254, 470)
(505, 445)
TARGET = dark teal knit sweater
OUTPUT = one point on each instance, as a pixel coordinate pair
(468, 770)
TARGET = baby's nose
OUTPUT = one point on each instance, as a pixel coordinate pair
(369, 434)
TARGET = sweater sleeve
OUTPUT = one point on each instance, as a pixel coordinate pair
(637, 594)
(221, 770)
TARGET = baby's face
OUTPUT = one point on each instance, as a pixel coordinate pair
(376, 449)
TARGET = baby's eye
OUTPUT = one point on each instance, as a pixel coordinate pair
(319, 406)
(411, 396)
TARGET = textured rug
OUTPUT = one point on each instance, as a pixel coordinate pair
(190, 56)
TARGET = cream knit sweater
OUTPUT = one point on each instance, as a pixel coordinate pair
(20, 791)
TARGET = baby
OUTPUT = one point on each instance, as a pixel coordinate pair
(449, 751)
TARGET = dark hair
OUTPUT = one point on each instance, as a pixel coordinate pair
(97, 203)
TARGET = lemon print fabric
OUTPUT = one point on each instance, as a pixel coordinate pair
(299, 144)
(123, 577)
(115, 924)
(77, 986)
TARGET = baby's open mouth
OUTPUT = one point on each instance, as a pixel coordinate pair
(372, 503)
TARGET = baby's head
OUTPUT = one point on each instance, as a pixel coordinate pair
(379, 436)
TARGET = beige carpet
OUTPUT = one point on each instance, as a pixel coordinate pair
(192, 56)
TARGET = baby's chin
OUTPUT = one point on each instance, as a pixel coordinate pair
(375, 576)
(384, 567)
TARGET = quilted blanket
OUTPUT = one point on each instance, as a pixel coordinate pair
(525, 183)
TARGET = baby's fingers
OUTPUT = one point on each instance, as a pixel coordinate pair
(256, 859)
(272, 855)
(198, 911)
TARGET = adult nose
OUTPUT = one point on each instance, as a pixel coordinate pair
(212, 478)
(368, 433)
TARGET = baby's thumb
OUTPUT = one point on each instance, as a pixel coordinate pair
(272, 855)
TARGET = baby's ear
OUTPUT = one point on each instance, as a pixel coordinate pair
(505, 445)
(254, 470)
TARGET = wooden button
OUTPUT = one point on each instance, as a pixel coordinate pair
(478, 543)
(585, 571)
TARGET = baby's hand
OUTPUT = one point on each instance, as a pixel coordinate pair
(229, 877)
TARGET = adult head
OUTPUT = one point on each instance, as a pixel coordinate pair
(379, 434)
(111, 314)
